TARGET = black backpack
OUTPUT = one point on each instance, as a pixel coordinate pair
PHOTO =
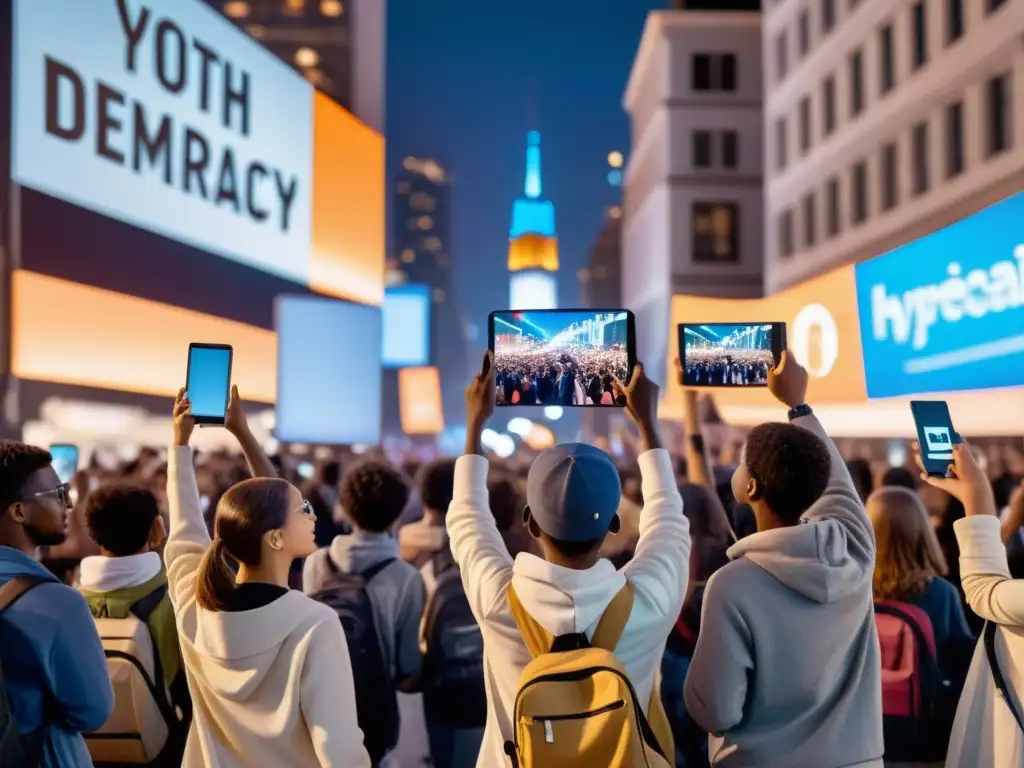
(453, 668)
(12, 751)
(376, 702)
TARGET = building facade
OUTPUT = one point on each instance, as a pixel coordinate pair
(692, 192)
(421, 216)
(533, 241)
(339, 45)
(886, 120)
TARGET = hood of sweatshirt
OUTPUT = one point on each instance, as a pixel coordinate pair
(563, 600)
(237, 649)
(14, 564)
(815, 558)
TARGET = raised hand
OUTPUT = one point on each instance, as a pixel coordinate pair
(184, 423)
(234, 418)
(480, 395)
(788, 381)
(965, 480)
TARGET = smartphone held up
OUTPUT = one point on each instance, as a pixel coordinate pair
(208, 381)
(935, 435)
(730, 354)
(563, 357)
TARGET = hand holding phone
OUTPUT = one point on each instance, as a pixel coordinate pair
(208, 381)
(964, 479)
(935, 435)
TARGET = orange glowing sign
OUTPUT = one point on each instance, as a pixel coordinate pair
(419, 401)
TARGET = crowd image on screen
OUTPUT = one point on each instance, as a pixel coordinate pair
(571, 358)
(727, 355)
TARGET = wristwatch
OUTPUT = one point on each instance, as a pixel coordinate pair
(800, 410)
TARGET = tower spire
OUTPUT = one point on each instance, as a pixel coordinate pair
(533, 186)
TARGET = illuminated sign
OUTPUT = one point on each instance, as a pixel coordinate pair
(946, 312)
(406, 318)
(162, 114)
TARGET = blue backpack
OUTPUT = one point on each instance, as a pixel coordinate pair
(12, 752)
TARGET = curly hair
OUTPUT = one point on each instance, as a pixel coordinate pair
(373, 495)
(120, 517)
(506, 502)
(17, 462)
(437, 485)
(791, 466)
(908, 555)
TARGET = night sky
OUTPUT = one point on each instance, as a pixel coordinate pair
(467, 80)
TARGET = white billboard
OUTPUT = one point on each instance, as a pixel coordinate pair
(162, 114)
(533, 289)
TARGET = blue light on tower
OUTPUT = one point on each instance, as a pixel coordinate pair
(530, 214)
(533, 240)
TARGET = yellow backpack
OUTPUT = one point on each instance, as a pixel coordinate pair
(577, 707)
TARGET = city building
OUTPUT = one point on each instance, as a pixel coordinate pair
(693, 210)
(339, 45)
(601, 279)
(886, 121)
(421, 238)
(533, 241)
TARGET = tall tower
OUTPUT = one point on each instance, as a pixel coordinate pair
(533, 241)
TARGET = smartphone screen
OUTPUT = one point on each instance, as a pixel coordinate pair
(935, 435)
(730, 355)
(65, 461)
(208, 381)
(563, 357)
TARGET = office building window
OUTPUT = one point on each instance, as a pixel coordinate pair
(810, 217)
(714, 72)
(805, 124)
(702, 149)
(786, 244)
(856, 83)
(999, 110)
(890, 177)
(716, 232)
(859, 193)
(954, 139)
(833, 211)
(828, 16)
(919, 150)
(887, 64)
(781, 145)
(781, 56)
(954, 20)
(804, 30)
(828, 106)
(920, 32)
(730, 149)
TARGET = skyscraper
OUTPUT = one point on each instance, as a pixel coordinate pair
(421, 238)
(533, 241)
(337, 44)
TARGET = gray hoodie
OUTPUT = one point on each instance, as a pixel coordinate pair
(787, 669)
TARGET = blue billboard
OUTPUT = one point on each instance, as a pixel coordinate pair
(406, 318)
(946, 312)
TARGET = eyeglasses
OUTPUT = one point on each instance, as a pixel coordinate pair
(62, 492)
(306, 508)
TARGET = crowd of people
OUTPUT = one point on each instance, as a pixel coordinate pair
(535, 373)
(721, 367)
(788, 609)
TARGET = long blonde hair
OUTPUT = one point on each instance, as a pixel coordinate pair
(908, 555)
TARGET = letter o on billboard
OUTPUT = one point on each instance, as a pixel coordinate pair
(814, 340)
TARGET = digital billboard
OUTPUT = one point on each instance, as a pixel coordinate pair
(406, 317)
(946, 312)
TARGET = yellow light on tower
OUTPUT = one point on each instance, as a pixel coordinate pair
(615, 159)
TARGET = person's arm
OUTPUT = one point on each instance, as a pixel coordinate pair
(985, 574)
(188, 538)
(79, 680)
(327, 698)
(659, 570)
(476, 543)
(236, 423)
(716, 683)
(408, 658)
(698, 461)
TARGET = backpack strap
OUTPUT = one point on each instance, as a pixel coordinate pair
(15, 588)
(369, 573)
(989, 635)
(143, 608)
(609, 628)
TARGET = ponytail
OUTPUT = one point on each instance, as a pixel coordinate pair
(215, 581)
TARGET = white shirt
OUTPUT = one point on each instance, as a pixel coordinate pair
(563, 600)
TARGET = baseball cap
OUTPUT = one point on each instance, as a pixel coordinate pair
(573, 490)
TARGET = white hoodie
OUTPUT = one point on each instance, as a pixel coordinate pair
(562, 600)
(787, 669)
(271, 686)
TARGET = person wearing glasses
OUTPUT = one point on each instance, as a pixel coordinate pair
(53, 667)
(268, 667)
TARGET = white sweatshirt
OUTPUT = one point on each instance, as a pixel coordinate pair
(562, 600)
(271, 686)
(985, 735)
